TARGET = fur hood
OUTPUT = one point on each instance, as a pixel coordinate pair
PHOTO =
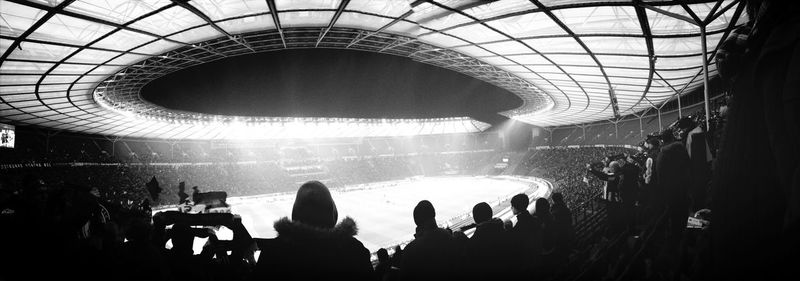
(295, 229)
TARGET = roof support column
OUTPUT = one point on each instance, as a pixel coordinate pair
(680, 114)
(705, 75)
(550, 138)
(583, 129)
(333, 21)
(641, 128)
(273, 10)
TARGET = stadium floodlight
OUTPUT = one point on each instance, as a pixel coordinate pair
(256, 128)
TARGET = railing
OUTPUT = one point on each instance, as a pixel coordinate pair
(586, 209)
(648, 241)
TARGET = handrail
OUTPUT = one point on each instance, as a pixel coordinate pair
(579, 213)
(618, 239)
(653, 230)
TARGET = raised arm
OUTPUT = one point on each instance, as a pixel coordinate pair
(598, 174)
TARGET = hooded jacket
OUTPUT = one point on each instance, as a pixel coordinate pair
(312, 246)
(305, 252)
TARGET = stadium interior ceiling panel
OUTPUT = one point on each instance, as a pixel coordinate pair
(78, 65)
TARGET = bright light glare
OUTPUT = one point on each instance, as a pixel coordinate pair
(335, 129)
(206, 126)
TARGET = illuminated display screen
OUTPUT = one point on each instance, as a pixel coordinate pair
(7, 136)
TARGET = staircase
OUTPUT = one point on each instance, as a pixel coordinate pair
(593, 243)
(592, 220)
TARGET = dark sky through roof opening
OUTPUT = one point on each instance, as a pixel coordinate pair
(327, 83)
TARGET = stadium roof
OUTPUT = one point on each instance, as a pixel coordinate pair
(78, 65)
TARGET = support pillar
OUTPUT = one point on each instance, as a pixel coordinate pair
(641, 128)
(705, 74)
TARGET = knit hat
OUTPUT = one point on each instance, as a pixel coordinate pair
(481, 212)
(314, 206)
(424, 212)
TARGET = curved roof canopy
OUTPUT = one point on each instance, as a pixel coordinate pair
(78, 64)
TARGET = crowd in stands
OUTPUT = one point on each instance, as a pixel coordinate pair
(124, 183)
(37, 147)
(651, 191)
(565, 167)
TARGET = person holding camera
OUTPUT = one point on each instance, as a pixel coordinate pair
(184, 264)
(311, 245)
(610, 176)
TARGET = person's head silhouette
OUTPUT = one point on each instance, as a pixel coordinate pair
(519, 203)
(425, 214)
(481, 212)
(542, 206)
(314, 206)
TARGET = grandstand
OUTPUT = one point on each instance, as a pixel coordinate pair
(489, 140)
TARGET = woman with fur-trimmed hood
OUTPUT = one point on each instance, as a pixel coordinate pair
(312, 245)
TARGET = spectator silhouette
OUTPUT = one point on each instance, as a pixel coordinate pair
(195, 195)
(611, 178)
(312, 245)
(653, 146)
(629, 187)
(562, 224)
(616, 213)
(649, 195)
(393, 272)
(433, 252)
(486, 253)
(526, 234)
(544, 218)
(383, 264)
(674, 174)
(140, 257)
(673, 169)
(182, 196)
(756, 182)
